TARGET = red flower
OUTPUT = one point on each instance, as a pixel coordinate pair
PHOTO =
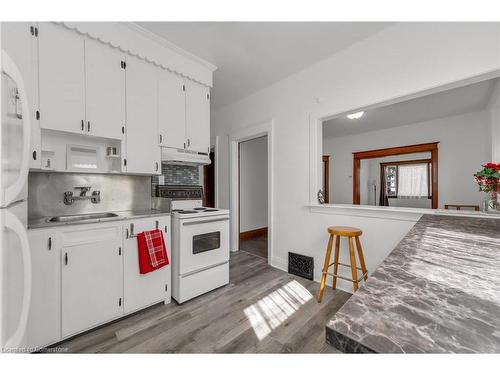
(493, 166)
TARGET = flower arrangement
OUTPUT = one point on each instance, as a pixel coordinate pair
(488, 180)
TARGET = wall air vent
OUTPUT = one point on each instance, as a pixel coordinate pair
(301, 265)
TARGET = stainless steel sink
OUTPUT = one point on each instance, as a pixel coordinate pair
(73, 218)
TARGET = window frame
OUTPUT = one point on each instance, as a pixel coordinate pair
(397, 163)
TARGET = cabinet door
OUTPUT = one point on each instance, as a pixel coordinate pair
(92, 275)
(140, 291)
(143, 151)
(20, 43)
(104, 90)
(61, 79)
(44, 322)
(197, 117)
(172, 110)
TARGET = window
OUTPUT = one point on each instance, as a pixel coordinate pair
(407, 179)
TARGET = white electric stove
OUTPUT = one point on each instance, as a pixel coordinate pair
(200, 243)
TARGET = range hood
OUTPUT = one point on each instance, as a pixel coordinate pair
(176, 156)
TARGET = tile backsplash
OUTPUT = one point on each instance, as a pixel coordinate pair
(177, 175)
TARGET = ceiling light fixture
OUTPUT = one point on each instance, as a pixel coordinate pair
(355, 116)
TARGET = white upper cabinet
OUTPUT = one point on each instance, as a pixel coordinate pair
(105, 90)
(197, 117)
(172, 110)
(61, 79)
(143, 151)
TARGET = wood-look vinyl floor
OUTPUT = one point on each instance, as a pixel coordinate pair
(256, 246)
(262, 310)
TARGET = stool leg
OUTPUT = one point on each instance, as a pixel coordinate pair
(353, 264)
(361, 258)
(325, 269)
(336, 261)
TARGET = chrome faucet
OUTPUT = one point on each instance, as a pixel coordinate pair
(94, 198)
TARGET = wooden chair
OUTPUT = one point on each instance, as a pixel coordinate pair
(353, 235)
(460, 206)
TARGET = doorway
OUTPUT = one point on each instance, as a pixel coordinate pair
(252, 182)
(246, 134)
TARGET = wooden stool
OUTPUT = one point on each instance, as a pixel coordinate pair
(349, 232)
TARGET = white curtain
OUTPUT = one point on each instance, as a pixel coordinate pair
(412, 181)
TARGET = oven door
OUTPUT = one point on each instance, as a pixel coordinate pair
(204, 243)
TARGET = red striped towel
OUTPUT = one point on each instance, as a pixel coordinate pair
(152, 251)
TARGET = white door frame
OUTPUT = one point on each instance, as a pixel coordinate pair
(251, 132)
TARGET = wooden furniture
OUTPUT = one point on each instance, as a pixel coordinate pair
(353, 235)
(460, 206)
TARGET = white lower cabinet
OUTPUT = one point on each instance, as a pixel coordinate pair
(86, 275)
(91, 277)
(147, 289)
(44, 322)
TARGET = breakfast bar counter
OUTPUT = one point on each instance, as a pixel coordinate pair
(438, 291)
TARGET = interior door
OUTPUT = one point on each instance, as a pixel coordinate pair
(197, 117)
(140, 291)
(105, 90)
(172, 110)
(61, 79)
(142, 118)
(91, 278)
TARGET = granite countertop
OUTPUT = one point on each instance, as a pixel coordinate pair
(438, 291)
(43, 222)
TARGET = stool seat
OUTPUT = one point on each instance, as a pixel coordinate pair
(345, 231)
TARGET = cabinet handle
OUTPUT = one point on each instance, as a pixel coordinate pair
(156, 166)
(88, 126)
(83, 125)
(119, 302)
(119, 251)
(161, 139)
(157, 224)
(34, 155)
(166, 228)
(189, 142)
(49, 244)
(66, 259)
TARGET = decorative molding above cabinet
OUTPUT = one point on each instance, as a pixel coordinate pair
(94, 84)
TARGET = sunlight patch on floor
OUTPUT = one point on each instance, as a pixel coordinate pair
(272, 310)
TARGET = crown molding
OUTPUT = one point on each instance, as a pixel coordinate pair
(167, 44)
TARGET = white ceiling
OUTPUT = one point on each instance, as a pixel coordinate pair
(452, 102)
(253, 55)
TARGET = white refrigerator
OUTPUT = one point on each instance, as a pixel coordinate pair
(15, 263)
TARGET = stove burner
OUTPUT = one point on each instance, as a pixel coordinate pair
(200, 208)
(211, 209)
(187, 212)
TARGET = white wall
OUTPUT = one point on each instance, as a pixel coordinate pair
(253, 184)
(403, 59)
(464, 145)
(494, 109)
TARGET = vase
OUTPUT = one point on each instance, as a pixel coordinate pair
(493, 203)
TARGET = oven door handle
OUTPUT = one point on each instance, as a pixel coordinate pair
(205, 221)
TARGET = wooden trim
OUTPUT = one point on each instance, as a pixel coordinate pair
(326, 177)
(399, 150)
(402, 162)
(239, 191)
(254, 233)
